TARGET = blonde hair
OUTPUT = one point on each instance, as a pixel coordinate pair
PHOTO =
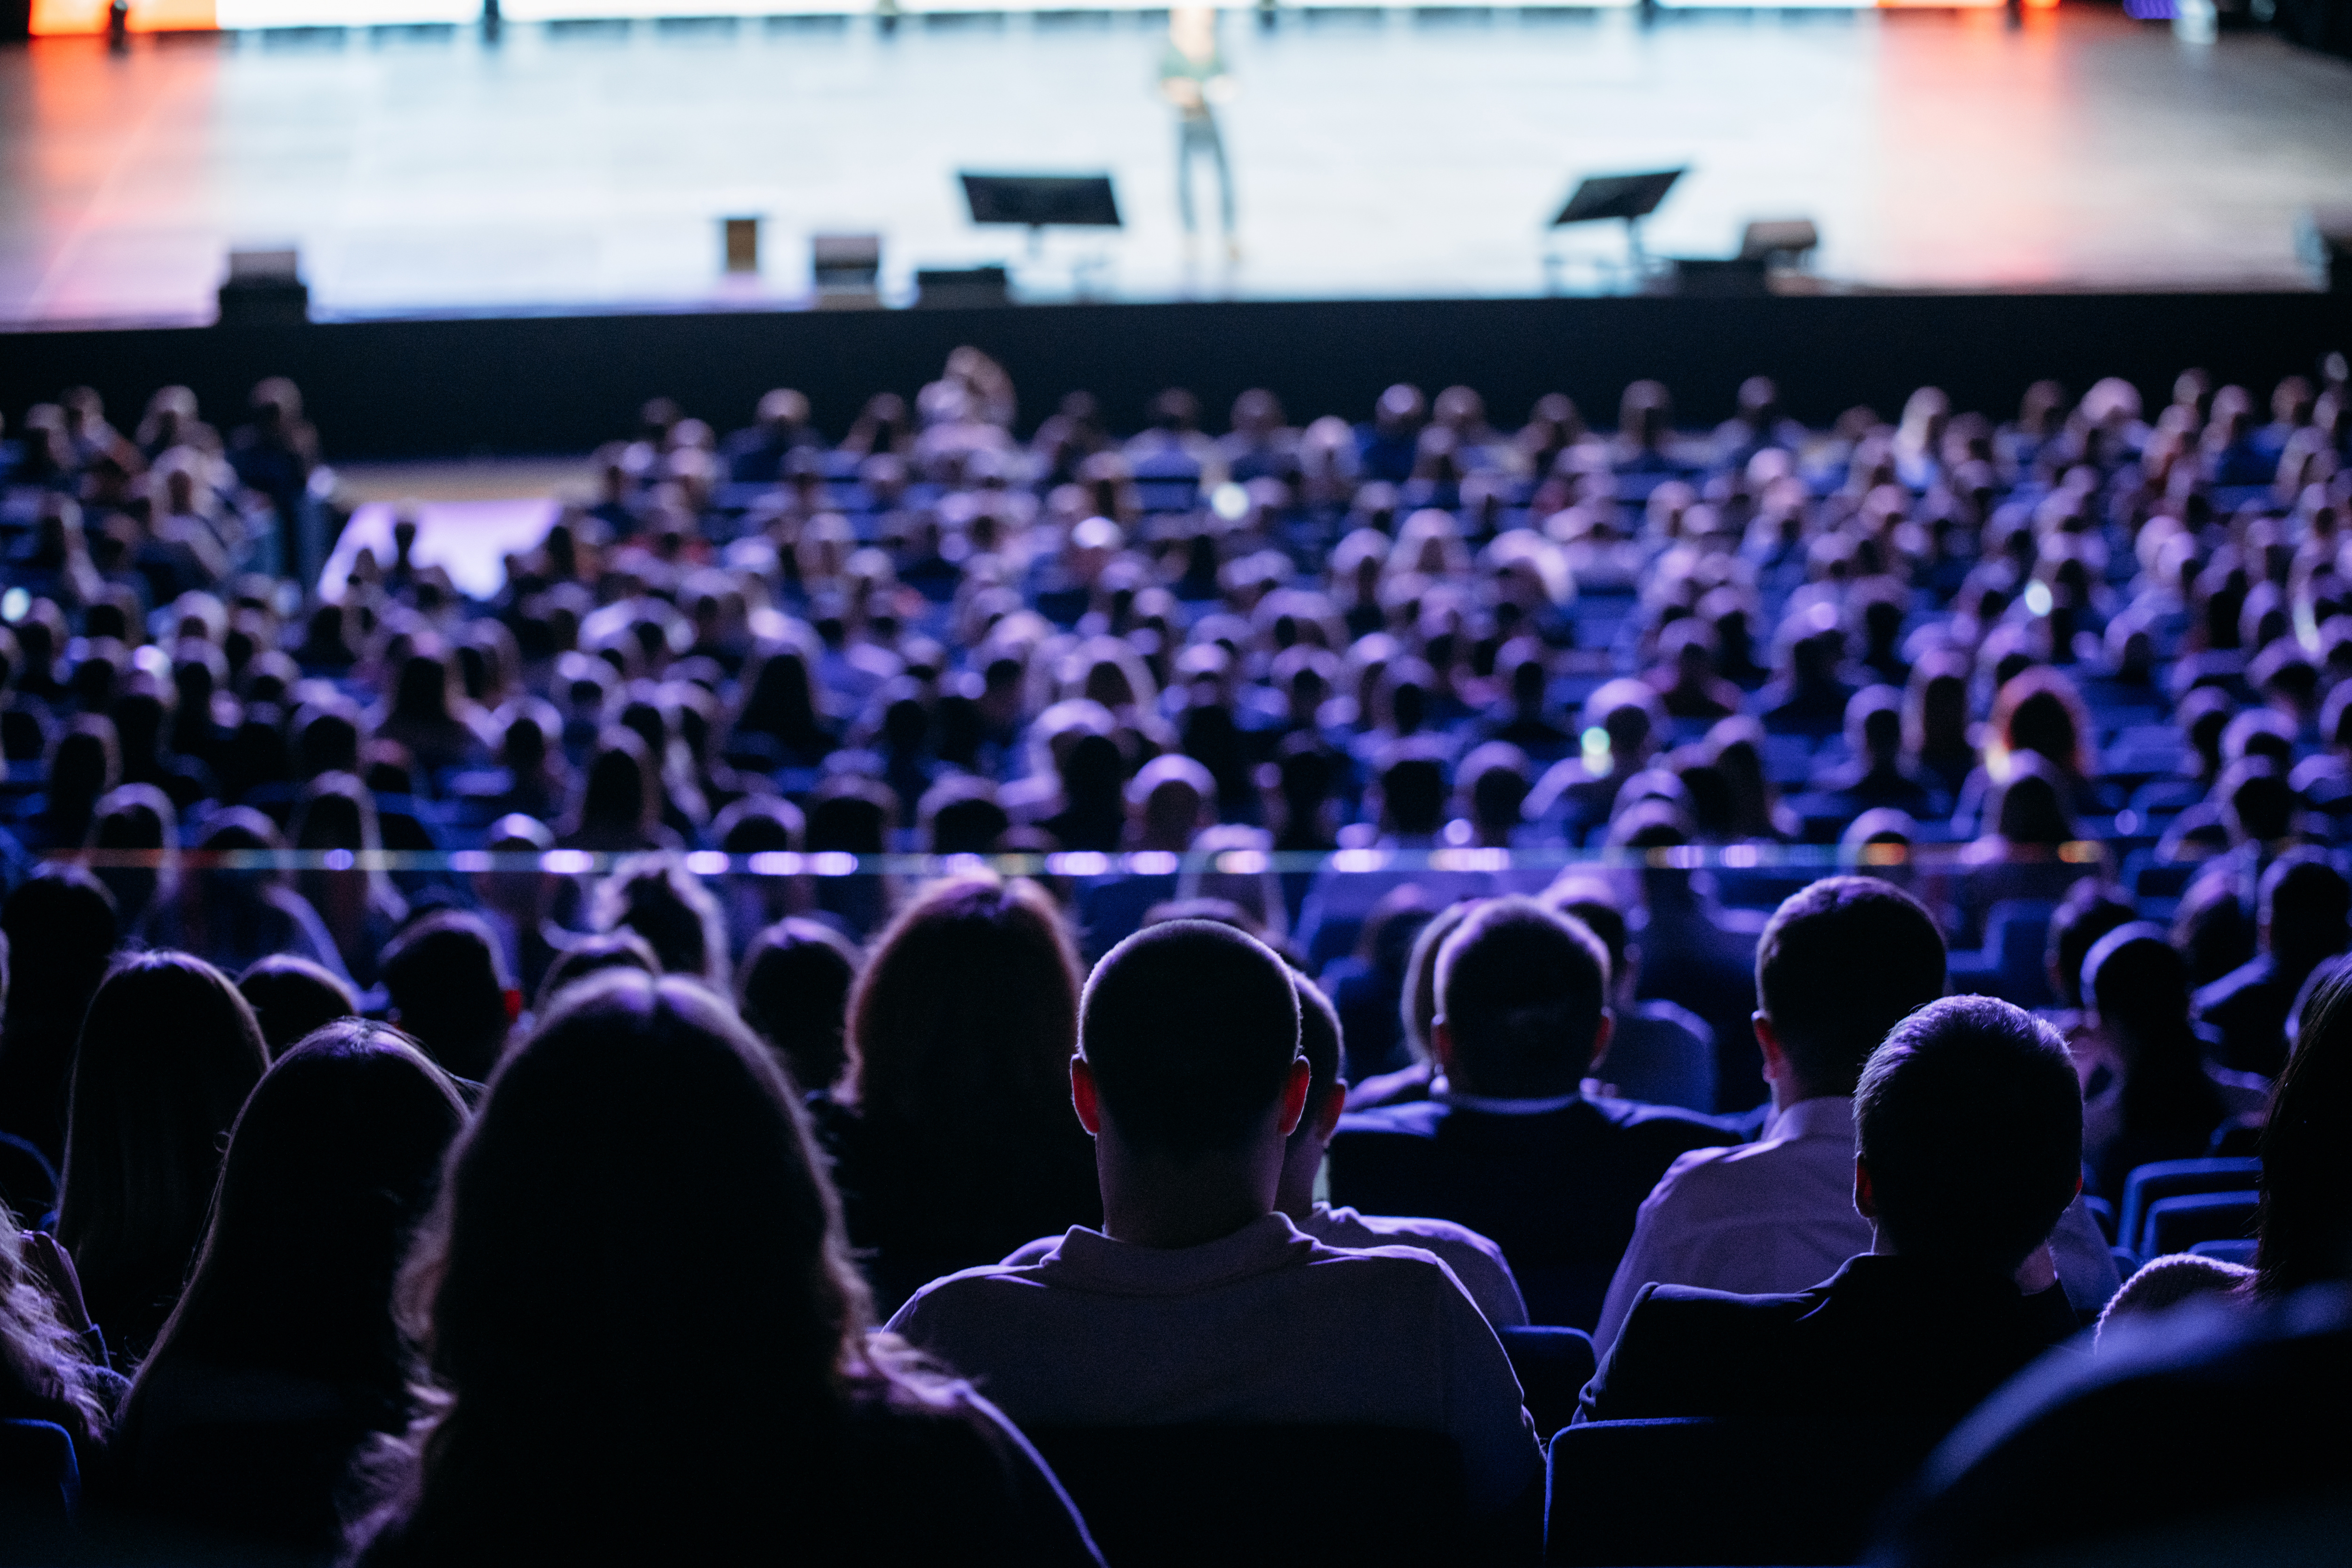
(46, 1357)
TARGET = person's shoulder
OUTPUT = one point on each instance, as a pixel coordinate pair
(1663, 1014)
(1438, 1235)
(2219, 994)
(989, 1282)
(1411, 1119)
(1697, 1313)
(1664, 1122)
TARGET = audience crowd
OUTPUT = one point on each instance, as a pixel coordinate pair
(1410, 966)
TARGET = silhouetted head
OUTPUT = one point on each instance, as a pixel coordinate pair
(638, 1165)
(1840, 965)
(332, 1163)
(967, 1012)
(1968, 1124)
(168, 1053)
(292, 997)
(1190, 1028)
(1522, 1001)
(2306, 1217)
(793, 989)
(450, 991)
(594, 955)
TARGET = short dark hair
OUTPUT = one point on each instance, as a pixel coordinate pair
(291, 997)
(1840, 963)
(592, 954)
(2090, 910)
(449, 984)
(793, 989)
(1971, 1122)
(1191, 1029)
(1318, 1041)
(2306, 904)
(1522, 991)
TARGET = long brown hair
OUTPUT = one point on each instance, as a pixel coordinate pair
(639, 1175)
(167, 1055)
(2305, 1222)
(965, 1019)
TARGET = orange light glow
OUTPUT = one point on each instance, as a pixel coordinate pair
(59, 18)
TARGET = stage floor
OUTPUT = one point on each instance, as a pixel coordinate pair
(1375, 154)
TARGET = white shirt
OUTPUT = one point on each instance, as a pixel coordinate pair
(1264, 1325)
(1777, 1216)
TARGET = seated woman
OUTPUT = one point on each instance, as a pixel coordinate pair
(282, 1357)
(555, 1286)
(2148, 1091)
(167, 1055)
(953, 1134)
(49, 1369)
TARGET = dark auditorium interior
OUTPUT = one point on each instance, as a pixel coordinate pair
(704, 857)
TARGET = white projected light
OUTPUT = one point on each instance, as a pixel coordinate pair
(238, 15)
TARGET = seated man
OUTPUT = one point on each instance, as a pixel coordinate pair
(1972, 1146)
(1199, 1301)
(1840, 965)
(1476, 1262)
(1508, 1145)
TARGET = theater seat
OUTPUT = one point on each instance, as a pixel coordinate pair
(2167, 1178)
(40, 1482)
(1273, 1495)
(1726, 1492)
(2176, 1224)
(1554, 1365)
(2240, 1250)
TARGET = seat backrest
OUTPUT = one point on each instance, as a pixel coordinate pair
(40, 1480)
(2165, 1178)
(2240, 1250)
(2175, 1222)
(1725, 1492)
(1276, 1495)
(1554, 1365)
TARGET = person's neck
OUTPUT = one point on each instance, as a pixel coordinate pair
(1152, 1201)
(1295, 1195)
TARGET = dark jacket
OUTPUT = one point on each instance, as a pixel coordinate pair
(1558, 1190)
(1912, 1343)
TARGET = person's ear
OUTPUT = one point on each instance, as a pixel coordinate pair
(1294, 1094)
(1084, 1096)
(1441, 1044)
(1328, 1114)
(1768, 1040)
(1602, 1033)
(1865, 1199)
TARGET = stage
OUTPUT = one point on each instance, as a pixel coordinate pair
(584, 168)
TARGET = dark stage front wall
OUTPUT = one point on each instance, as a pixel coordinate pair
(383, 390)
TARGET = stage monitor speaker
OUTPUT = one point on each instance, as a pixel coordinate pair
(1787, 239)
(1042, 201)
(846, 269)
(962, 287)
(264, 288)
(2328, 243)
